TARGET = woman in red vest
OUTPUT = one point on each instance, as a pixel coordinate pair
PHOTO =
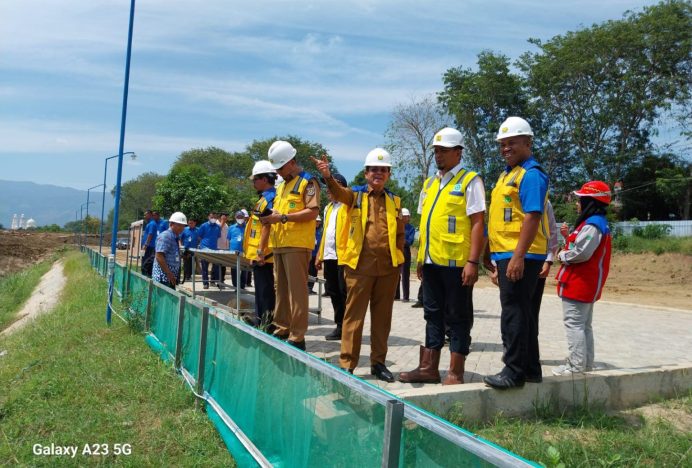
(585, 263)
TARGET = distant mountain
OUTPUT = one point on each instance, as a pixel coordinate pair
(47, 204)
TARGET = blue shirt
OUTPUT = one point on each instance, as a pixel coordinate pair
(318, 239)
(190, 237)
(163, 225)
(153, 230)
(209, 233)
(235, 237)
(532, 192)
(167, 243)
(409, 234)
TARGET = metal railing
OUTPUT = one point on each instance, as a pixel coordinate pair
(396, 410)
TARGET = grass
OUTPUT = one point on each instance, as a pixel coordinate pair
(68, 379)
(593, 437)
(16, 288)
(635, 244)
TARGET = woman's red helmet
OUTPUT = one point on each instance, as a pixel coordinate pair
(597, 190)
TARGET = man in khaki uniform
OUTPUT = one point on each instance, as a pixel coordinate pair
(292, 239)
(371, 260)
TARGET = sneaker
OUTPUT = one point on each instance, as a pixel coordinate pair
(417, 305)
(566, 369)
(335, 335)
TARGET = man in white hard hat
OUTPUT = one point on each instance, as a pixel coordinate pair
(292, 237)
(518, 235)
(373, 254)
(452, 207)
(167, 258)
(256, 242)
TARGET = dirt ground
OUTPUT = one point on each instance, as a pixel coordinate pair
(657, 280)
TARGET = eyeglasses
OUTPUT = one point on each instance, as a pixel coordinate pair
(378, 169)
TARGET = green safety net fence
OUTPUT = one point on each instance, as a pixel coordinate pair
(295, 414)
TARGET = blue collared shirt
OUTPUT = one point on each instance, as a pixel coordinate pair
(209, 233)
(235, 235)
(409, 234)
(153, 230)
(189, 237)
(167, 243)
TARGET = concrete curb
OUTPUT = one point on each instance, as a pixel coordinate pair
(608, 389)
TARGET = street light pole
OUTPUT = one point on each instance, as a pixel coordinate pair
(89, 190)
(81, 219)
(103, 196)
(120, 158)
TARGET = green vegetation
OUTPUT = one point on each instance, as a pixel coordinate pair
(660, 245)
(595, 438)
(71, 380)
(16, 288)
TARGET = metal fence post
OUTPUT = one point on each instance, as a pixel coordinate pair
(202, 353)
(393, 421)
(179, 338)
(147, 313)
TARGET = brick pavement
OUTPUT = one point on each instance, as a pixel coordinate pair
(626, 336)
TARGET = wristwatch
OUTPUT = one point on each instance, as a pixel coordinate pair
(260, 252)
(284, 219)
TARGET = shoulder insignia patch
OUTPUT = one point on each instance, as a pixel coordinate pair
(311, 190)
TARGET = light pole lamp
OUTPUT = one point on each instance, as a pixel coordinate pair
(87, 216)
(121, 147)
(103, 196)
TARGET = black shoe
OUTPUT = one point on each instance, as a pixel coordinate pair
(334, 335)
(405, 300)
(297, 344)
(417, 305)
(206, 286)
(534, 378)
(311, 293)
(325, 294)
(350, 371)
(381, 372)
(502, 382)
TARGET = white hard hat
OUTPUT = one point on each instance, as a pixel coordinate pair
(262, 167)
(378, 157)
(280, 152)
(514, 126)
(178, 218)
(448, 137)
(405, 212)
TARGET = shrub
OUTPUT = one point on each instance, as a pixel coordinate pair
(652, 231)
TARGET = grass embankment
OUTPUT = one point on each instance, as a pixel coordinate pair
(636, 244)
(16, 288)
(595, 438)
(71, 380)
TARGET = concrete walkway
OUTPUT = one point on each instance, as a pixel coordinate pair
(626, 336)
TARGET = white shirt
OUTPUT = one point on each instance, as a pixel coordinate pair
(330, 232)
(475, 194)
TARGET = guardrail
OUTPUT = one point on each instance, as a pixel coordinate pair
(276, 405)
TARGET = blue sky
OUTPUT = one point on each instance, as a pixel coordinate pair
(222, 73)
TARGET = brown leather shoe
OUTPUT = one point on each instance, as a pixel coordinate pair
(427, 370)
(455, 375)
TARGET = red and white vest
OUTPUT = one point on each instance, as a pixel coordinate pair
(584, 281)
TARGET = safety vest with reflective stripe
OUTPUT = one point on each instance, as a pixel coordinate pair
(341, 231)
(506, 215)
(445, 228)
(289, 199)
(359, 217)
(253, 229)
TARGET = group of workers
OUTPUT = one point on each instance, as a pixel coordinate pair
(364, 243)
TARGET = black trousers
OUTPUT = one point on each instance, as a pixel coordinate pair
(336, 288)
(205, 272)
(405, 275)
(148, 261)
(265, 296)
(312, 271)
(517, 321)
(447, 304)
(243, 278)
(533, 368)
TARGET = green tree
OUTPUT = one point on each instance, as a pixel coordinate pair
(606, 86)
(217, 161)
(136, 196)
(479, 100)
(674, 183)
(192, 190)
(257, 150)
